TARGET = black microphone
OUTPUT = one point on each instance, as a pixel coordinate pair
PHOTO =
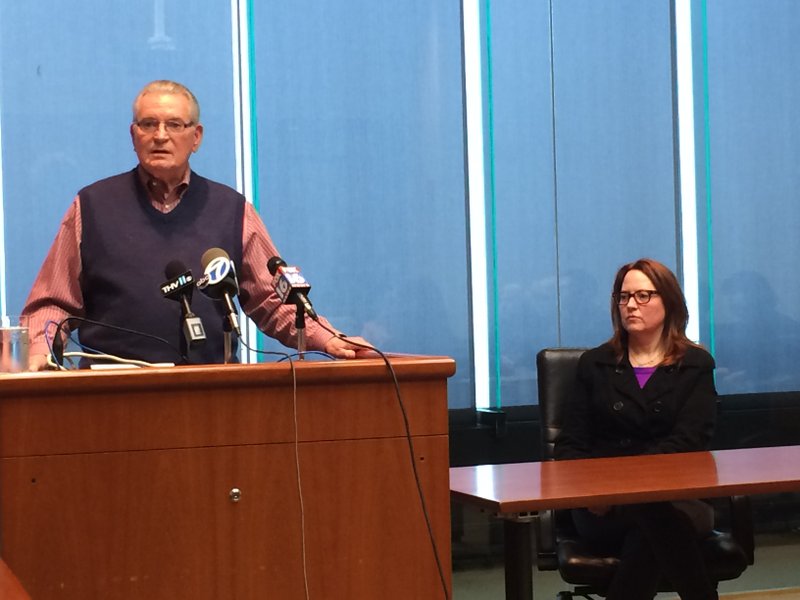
(219, 282)
(179, 287)
(290, 285)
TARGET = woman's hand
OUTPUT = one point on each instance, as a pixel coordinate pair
(600, 511)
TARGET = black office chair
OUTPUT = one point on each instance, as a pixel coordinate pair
(558, 546)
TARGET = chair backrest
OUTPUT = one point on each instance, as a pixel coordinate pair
(556, 370)
(558, 544)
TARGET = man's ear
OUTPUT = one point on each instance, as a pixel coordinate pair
(198, 137)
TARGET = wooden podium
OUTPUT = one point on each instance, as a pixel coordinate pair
(227, 482)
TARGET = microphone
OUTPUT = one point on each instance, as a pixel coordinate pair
(179, 287)
(290, 285)
(219, 282)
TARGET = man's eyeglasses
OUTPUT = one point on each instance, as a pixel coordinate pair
(641, 296)
(171, 125)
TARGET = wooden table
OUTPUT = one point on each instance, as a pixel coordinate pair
(515, 492)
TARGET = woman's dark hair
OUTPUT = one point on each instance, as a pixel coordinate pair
(676, 315)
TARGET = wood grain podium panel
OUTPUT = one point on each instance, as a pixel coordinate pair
(119, 486)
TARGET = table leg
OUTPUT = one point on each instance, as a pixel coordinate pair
(519, 563)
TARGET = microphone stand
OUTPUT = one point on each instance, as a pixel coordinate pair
(300, 326)
(227, 330)
(182, 341)
(183, 345)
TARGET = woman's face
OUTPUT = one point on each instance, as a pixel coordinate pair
(641, 319)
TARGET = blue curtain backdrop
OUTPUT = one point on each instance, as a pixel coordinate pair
(361, 177)
(584, 176)
(753, 131)
(69, 77)
(358, 111)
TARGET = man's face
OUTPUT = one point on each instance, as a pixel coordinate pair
(163, 153)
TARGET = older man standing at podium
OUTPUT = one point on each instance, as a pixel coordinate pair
(109, 255)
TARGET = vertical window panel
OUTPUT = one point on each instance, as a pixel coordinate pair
(522, 204)
(753, 126)
(584, 169)
(69, 76)
(615, 155)
(361, 170)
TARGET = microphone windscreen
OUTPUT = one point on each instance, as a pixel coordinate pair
(273, 264)
(211, 254)
(174, 268)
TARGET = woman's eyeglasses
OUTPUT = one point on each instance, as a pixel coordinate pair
(640, 296)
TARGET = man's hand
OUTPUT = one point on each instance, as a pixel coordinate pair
(342, 348)
(38, 362)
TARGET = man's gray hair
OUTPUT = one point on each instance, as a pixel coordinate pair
(165, 86)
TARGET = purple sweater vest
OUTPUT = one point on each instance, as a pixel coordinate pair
(125, 245)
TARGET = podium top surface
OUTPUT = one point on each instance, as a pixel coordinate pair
(221, 405)
(406, 367)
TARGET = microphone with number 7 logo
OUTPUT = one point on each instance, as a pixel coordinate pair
(219, 282)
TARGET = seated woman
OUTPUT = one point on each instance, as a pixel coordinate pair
(647, 390)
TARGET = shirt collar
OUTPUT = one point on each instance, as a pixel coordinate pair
(161, 196)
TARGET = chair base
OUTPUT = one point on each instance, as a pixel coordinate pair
(576, 593)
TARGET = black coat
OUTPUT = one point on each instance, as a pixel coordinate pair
(610, 415)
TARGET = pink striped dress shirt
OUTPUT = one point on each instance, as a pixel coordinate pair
(56, 292)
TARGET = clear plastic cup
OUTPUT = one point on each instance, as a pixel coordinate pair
(14, 344)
